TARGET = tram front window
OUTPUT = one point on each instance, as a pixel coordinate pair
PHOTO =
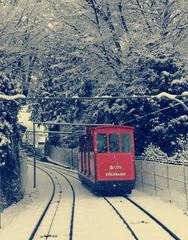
(101, 143)
(126, 142)
(114, 142)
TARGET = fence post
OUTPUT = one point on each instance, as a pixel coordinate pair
(185, 183)
(142, 178)
(154, 175)
(72, 163)
(168, 182)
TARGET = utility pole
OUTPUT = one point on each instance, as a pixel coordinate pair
(34, 159)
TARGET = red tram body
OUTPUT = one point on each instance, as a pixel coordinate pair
(107, 158)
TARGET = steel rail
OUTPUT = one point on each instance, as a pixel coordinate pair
(138, 206)
(122, 218)
(117, 212)
(74, 197)
(65, 173)
(56, 209)
(46, 208)
(154, 219)
(73, 201)
(73, 207)
(72, 210)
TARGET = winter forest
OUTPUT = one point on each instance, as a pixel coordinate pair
(91, 48)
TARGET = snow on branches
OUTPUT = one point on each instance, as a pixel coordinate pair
(173, 97)
(13, 97)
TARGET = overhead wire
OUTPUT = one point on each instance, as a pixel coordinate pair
(90, 124)
(152, 113)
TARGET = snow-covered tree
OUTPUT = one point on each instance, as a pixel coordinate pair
(23, 29)
(9, 142)
(132, 47)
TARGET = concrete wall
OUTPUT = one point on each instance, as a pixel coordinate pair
(65, 156)
(168, 181)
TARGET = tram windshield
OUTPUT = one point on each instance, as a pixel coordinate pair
(126, 142)
(102, 143)
(114, 142)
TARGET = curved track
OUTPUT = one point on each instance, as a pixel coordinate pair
(113, 203)
(59, 199)
(65, 170)
(73, 205)
(171, 234)
(46, 208)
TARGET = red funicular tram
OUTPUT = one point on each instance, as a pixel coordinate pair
(107, 158)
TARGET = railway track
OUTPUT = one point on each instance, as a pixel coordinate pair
(142, 225)
(120, 206)
(47, 220)
(34, 231)
(170, 234)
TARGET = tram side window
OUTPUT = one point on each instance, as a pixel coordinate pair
(126, 142)
(114, 142)
(101, 143)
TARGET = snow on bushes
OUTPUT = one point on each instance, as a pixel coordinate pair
(181, 155)
(9, 144)
(154, 153)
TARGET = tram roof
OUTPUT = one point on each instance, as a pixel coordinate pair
(110, 126)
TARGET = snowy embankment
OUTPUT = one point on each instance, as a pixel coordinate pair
(19, 219)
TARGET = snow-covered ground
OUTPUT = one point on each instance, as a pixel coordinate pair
(172, 217)
(17, 220)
